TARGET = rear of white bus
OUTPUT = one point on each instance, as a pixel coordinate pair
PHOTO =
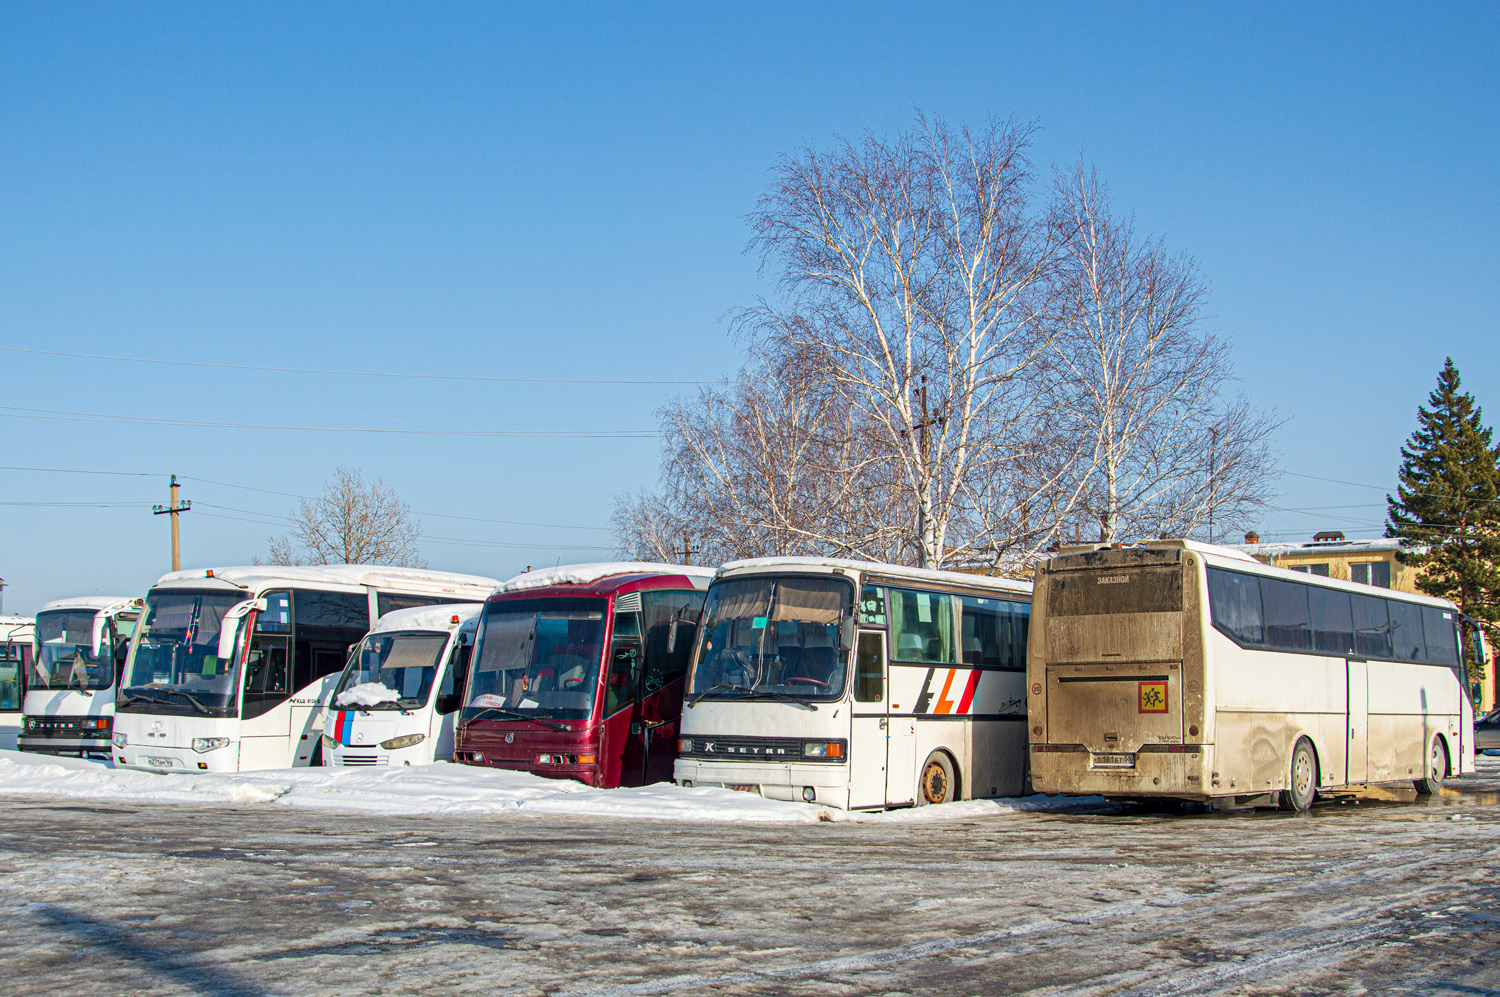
(766, 707)
(399, 695)
(1115, 675)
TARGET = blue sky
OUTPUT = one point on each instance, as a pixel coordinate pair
(560, 191)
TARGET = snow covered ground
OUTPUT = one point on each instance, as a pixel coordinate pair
(145, 897)
(445, 788)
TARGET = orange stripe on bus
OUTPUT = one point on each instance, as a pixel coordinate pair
(945, 705)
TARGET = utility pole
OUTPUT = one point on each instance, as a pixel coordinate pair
(687, 549)
(172, 508)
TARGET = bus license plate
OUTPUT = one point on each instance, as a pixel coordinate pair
(1114, 761)
(161, 763)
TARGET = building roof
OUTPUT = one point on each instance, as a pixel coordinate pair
(1375, 546)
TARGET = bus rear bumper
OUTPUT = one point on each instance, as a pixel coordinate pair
(828, 784)
(1174, 775)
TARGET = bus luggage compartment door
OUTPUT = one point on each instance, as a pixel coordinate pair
(1113, 710)
(1359, 723)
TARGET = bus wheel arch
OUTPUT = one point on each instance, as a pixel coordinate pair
(1439, 765)
(938, 780)
(1302, 781)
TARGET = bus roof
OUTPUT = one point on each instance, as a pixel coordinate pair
(586, 574)
(9, 625)
(377, 576)
(429, 617)
(826, 564)
(94, 602)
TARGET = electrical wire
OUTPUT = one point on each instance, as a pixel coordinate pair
(344, 373)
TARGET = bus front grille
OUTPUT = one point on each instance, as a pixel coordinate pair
(362, 760)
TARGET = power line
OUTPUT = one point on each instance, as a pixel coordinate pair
(62, 415)
(344, 373)
(70, 470)
(83, 505)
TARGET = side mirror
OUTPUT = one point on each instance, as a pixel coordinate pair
(1481, 649)
(99, 635)
(229, 626)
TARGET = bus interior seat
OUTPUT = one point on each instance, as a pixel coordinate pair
(972, 651)
(909, 647)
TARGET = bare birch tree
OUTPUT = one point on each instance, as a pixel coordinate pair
(914, 272)
(352, 522)
(1135, 378)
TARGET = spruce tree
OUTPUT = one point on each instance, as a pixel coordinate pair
(1446, 510)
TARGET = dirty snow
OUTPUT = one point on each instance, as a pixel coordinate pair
(367, 694)
(446, 788)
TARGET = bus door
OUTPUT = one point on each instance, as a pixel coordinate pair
(1358, 723)
(869, 735)
(624, 725)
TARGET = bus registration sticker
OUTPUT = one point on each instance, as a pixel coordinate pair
(1153, 696)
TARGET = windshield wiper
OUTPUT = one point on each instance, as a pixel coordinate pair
(170, 692)
(751, 694)
(519, 716)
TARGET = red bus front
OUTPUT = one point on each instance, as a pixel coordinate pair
(582, 681)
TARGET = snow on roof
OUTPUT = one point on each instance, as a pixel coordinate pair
(582, 574)
(10, 626)
(90, 602)
(875, 567)
(1320, 547)
(429, 617)
(378, 576)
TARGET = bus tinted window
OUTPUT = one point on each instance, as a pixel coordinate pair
(1332, 620)
(389, 602)
(1234, 601)
(331, 609)
(1284, 607)
(993, 633)
(1372, 627)
(922, 626)
(671, 623)
(1127, 590)
(1442, 635)
(1407, 640)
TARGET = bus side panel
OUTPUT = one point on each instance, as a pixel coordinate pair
(999, 758)
(1254, 750)
(1409, 704)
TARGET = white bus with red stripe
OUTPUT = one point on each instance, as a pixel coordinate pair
(858, 685)
(399, 696)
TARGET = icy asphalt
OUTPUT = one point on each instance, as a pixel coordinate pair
(103, 897)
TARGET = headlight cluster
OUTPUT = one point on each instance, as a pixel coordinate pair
(823, 749)
(329, 743)
(202, 744)
(404, 741)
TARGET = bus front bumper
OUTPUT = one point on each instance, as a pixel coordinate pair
(73, 747)
(826, 784)
(1073, 771)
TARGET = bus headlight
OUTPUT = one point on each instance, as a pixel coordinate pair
(118, 739)
(202, 744)
(685, 745)
(329, 743)
(823, 749)
(404, 741)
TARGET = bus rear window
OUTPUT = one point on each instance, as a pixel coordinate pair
(1117, 590)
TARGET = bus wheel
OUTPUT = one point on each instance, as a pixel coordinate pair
(1304, 778)
(1437, 769)
(938, 782)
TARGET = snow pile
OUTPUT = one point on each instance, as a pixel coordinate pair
(582, 574)
(446, 788)
(367, 694)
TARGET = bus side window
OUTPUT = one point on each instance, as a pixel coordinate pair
(265, 675)
(624, 663)
(451, 691)
(671, 622)
(869, 668)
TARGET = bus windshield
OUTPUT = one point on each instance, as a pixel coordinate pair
(392, 671)
(773, 638)
(67, 660)
(174, 663)
(537, 658)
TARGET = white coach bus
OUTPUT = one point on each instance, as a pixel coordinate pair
(1181, 670)
(230, 667)
(70, 687)
(857, 685)
(399, 696)
(16, 636)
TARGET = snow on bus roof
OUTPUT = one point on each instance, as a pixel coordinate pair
(583, 574)
(10, 624)
(877, 568)
(429, 617)
(379, 576)
(89, 602)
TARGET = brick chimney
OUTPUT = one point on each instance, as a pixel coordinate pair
(1252, 537)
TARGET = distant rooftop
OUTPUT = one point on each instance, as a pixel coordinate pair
(1339, 546)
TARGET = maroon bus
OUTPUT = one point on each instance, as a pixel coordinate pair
(578, 672)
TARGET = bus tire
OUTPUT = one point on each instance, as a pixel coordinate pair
(1302, 786)
(939, 781)
(1437, 769)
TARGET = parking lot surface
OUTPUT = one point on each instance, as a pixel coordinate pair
(1355, 897)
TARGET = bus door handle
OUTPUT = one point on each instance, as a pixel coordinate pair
(884, 723)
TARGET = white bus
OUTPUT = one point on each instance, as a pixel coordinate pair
(70, 687)
(1181, 670)
(16, 635)
(399, 695)
(230, 667)
(857, 685)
